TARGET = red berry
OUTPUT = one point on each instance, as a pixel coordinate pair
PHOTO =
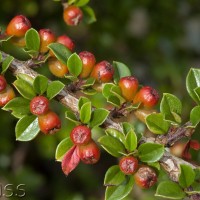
(88, 60)
(49, 122)
(46, 38)
(72, 15)
(39, 105)
(128, 165)
(145, 177)
(89, 153)
(103, 72)
(57, 68)
(66, 41)
(128, 86)
(147, 96)
(18, 26)
(3, 83)
(7, 95)
(80, 135)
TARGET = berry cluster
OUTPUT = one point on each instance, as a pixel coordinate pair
(88, 151)
(48, 121)
(145, 177)
(6, 92)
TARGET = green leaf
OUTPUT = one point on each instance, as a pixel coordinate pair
(89, 91)
(82, 101)
(121, 191)
(62, 148)
(195, 188)
(32, 40)
(112, 145)
(131, 141)
(24, 88)
(18, 106)
(155, 165)
(88, 83)
(54, 88)
(195, 115)
(89, 15)
(126, 127)
(81, 3)
(121, 70)
(114, 176)
(187, 176)
(114, 101)
(106, 91)
(61, 52)
(85, 113)
(6, 63)
(71, 116)
(27, 128)
(156, 123)
(98, 117)
(116, 134)
(150, 152)
(171, 108)
(170, 190)
(192, 82)
(74, 64)
(40, 84)
(26, 78)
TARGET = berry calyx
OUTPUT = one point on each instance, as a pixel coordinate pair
(49, 122)
(57, 68)
(46, 38)
(103, 72)
(145, 177)
(89, 153)
(7, 95)
(72, 15)
(39, 105)
(66, 41)
(128, 165)
(80, 135)
(128, 86)
(88, 60)
(18, 26)
(147, 96)
(3, 83)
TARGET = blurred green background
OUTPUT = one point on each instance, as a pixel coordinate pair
(158, 40)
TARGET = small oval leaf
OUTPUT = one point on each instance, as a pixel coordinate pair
(54, 88)
(74, 64)
(40, 84)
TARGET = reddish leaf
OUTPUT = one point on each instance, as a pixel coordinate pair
(194, 144)
(70, 160)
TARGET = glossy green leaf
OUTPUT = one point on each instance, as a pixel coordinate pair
(24, 88)
(106, 91)
(81, 3)
(89, 91)
(195, 115)
(27, 128)
(74, 64)
(150, 152)
(121, 191)
(85, 113)
(26, 78)
(155, 165)
(6, 63)
(127, 127)
(171, 108)
(54, 88)
(61, 52)
(98, 117)
(121, 70)
(89, 15)
(112, 145)
(32, 40)
(71, 116)
(89, 82)
(114, 100)
(192, 82)
(131, 141)
(40, 84)
(62, 148)
(18, 106)
(116, 91)
(116, 134)
(82, 101)
(187, 176)
(156, 123)
(170, 190)
(114, 176)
